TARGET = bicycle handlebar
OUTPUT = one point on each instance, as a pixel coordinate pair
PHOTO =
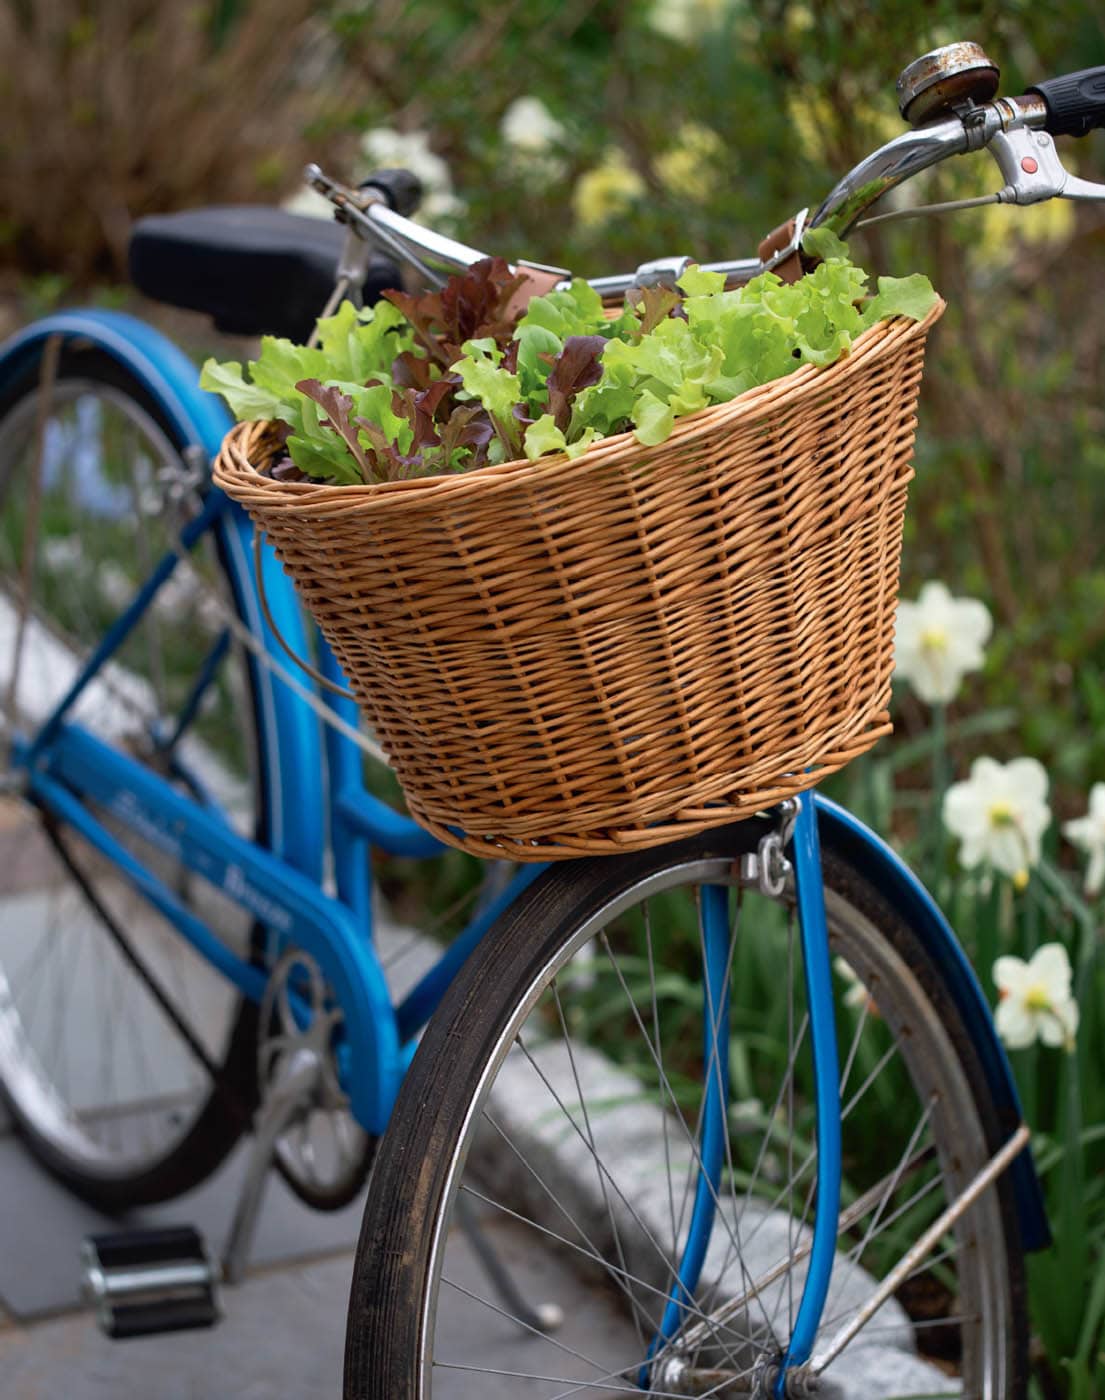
(1069, 105)
(1075, 103)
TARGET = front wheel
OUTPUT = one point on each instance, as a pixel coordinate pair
(558, 1100)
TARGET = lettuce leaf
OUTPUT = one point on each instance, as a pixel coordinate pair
(697, 282)
(358, 345)
(901, 296)
(668, 371)
(578, 366)
(479, 304)
(477, 372)
(544, 436)
(245, 400)
(574, 310)
(824, 244)
(495, 387)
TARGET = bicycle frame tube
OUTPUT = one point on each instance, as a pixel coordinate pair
(814, 936)
(78, 766)
(357, 819)
(124, 624)
(716, 940)
(814, 930)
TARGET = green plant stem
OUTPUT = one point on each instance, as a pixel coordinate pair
(940, 782)
(1029, 920)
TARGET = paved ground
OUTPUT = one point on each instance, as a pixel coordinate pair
(284, 1326)
(282, 1336)
(283, 1331)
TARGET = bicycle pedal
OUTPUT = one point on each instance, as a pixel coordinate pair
(146, 1281)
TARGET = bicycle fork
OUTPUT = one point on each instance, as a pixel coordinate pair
(797, 1372)
(768, 869)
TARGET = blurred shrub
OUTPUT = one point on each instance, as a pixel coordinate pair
(109, 111)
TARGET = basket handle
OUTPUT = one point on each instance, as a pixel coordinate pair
(315, 675)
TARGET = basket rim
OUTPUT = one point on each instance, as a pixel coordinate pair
(234, 470)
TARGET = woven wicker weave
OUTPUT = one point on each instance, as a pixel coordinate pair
(575, 657)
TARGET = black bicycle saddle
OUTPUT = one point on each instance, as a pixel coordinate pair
(255, 270)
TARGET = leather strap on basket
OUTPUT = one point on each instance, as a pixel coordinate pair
(539, 281)
(315, 675)
(790, 269)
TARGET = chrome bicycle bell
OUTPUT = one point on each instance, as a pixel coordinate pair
(935, 84)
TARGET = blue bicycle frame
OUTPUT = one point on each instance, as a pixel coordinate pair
(279, 884)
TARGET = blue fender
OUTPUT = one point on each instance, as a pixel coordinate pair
(290, 739)
(902, 890)
(168, 374)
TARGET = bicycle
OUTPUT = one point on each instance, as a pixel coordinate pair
(682, 1191)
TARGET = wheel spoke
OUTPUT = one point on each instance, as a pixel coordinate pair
(588, 1250)
(567, 1041)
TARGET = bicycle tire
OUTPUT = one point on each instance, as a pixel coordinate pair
(95, 393)
(476, 1070)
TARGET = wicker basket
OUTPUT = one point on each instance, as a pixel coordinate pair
(564, 658)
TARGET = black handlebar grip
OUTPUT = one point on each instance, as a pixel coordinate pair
(401, 189)
(1075, 103)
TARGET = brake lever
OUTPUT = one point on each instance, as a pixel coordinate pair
(1033, 171)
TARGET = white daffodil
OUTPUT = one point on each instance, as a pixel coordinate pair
(533, 137)
(1035, 999)
(938, 639)
(385, 149)
(999, 814)
(685, 20)
(1088, 834)
(529, 125)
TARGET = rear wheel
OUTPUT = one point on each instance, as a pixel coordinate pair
(130, 1095)
(558, 1095)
